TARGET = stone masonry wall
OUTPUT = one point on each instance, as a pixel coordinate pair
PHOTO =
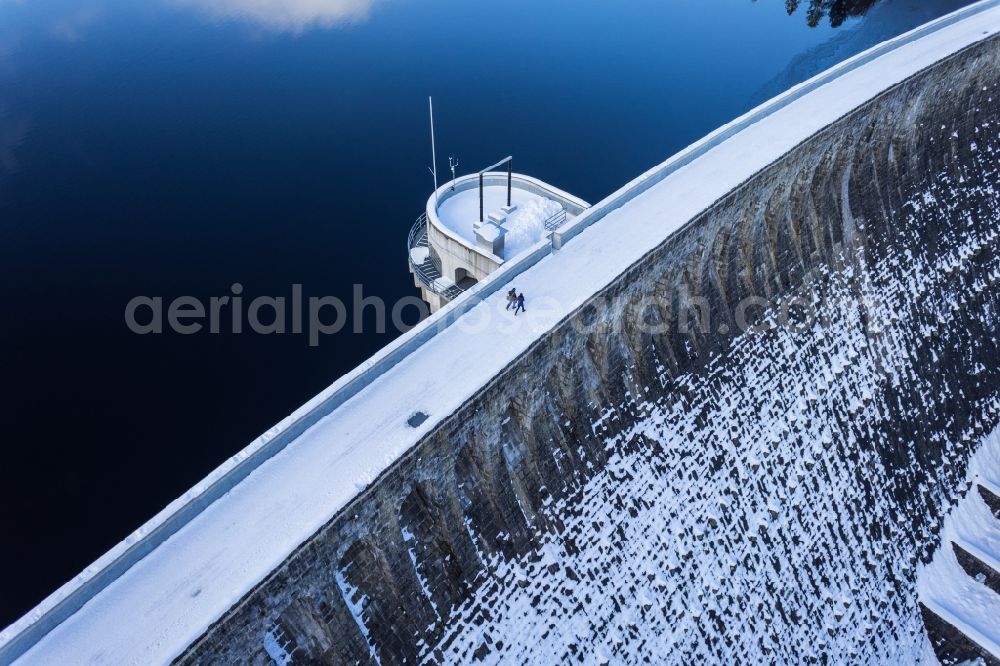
(695, 494)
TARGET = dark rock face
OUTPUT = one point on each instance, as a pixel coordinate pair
(651, 481)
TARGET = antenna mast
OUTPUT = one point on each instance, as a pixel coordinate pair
(434, 170)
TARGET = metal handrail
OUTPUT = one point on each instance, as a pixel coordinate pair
(415, 230)
(413, 240)
(418, 238)
(555, 221)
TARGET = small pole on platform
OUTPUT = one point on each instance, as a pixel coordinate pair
(434, 170)
(480, 196)
(452, 164)
(510, 170)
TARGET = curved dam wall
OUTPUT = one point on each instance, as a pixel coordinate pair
(652, 480)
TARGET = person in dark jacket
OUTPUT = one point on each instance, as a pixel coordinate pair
(511, 298)
(520, 304)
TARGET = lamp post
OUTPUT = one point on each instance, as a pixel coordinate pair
(510, 167)
(510, 173)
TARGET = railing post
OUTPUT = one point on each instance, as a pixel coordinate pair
(480, 196)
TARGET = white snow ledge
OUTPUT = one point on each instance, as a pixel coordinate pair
(152, 595)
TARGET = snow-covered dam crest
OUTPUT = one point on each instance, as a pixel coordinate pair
(757, 424)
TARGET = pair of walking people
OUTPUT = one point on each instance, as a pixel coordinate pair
(516, 301)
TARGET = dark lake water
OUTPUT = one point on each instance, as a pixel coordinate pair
(176, 147)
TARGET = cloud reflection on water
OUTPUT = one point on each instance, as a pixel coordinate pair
(72, 27)
(283, 15)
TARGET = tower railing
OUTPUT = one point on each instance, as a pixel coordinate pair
(427, 271)
(556, 220)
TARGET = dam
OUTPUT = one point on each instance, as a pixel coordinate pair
(752, 418)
